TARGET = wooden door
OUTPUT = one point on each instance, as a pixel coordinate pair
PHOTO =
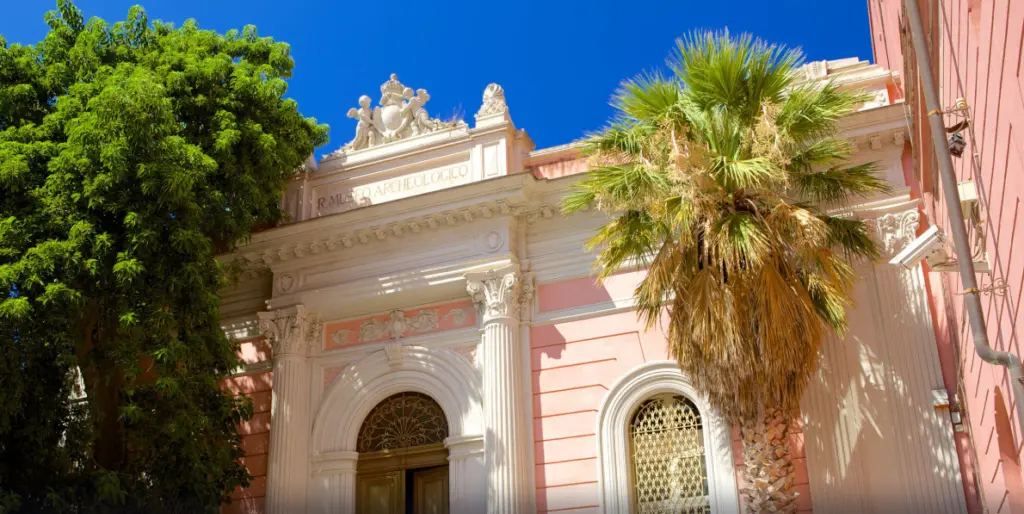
(381, 493)
(430, 491)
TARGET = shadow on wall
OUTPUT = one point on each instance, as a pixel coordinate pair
(875, 443)
(1008, 459)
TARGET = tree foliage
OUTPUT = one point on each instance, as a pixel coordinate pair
(130, 155)
(719, 178)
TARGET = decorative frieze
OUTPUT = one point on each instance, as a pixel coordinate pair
(398, 324)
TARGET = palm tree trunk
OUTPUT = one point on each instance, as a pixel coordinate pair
(767, 465)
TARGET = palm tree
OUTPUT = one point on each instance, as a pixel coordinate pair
(719, 179)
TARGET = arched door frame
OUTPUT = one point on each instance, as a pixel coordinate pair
(439, 373)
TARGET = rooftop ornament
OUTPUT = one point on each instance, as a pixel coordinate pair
(400, 115)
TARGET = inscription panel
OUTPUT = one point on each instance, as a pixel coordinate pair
(345, 195)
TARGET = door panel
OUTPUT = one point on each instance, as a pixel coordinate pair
(430, 491)
(381, 493)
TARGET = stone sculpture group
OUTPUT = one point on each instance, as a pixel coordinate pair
(400, 115)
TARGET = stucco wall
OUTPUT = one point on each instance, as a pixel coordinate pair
(977, 54)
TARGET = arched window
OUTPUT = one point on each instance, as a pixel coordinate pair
(670, 474)
(403, 420)
(662, 448)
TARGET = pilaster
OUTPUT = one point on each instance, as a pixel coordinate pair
(290, 332)
(499, 295)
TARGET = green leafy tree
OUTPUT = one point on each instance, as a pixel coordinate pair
(720, 178)
(131, 154)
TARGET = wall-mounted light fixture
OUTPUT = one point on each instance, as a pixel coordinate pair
(957, 144)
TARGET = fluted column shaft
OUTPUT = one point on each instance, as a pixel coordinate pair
(499, 295)
(290, 333)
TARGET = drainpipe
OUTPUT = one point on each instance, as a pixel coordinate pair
(956, 216)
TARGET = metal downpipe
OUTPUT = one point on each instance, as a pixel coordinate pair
(956, 216)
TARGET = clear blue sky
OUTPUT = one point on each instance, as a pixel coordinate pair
(559, 61)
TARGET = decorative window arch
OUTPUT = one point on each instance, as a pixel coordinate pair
(403, 420)
(622, 404)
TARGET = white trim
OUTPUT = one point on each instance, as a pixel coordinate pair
(439, 373)
(639, 384)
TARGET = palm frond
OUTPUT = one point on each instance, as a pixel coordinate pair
(650, 98)
(736, 74)
(622, 140)
(851, 237)
(812, 111)
(632, 238)
(837, 184)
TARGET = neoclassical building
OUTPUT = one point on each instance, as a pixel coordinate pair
(426, 336)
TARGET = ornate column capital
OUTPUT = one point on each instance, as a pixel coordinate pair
(499, 293)
(291, 331)
(894, 230)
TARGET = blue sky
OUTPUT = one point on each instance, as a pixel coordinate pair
(559, 61)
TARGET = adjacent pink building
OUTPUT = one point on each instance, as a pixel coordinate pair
(976, 49)
(427, 336)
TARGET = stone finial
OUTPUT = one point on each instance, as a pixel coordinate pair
(493, 101)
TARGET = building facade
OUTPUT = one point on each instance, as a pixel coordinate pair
(426, 335)
(975, 48)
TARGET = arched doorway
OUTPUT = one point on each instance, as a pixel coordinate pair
(403, 463)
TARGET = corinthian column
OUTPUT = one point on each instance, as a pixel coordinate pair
(290, 332)
(499, 295)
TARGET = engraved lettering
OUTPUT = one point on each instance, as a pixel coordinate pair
(392, 189)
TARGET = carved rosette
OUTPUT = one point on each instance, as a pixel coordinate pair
(290, 331)
(894, 231)
(493, 101)
(500, 293)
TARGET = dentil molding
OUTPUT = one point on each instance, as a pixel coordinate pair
(331, 242)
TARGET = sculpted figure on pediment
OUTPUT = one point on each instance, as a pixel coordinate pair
(400, 115)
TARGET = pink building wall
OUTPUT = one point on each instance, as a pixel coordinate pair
(255, 432)
(976, 49)
(573, 366)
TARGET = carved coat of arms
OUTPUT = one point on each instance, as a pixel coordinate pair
(399, 115)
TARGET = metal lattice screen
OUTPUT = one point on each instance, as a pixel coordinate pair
(669, 468)
(403, 420)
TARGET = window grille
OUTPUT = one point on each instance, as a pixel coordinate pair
(403, 420)
(669, 466)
